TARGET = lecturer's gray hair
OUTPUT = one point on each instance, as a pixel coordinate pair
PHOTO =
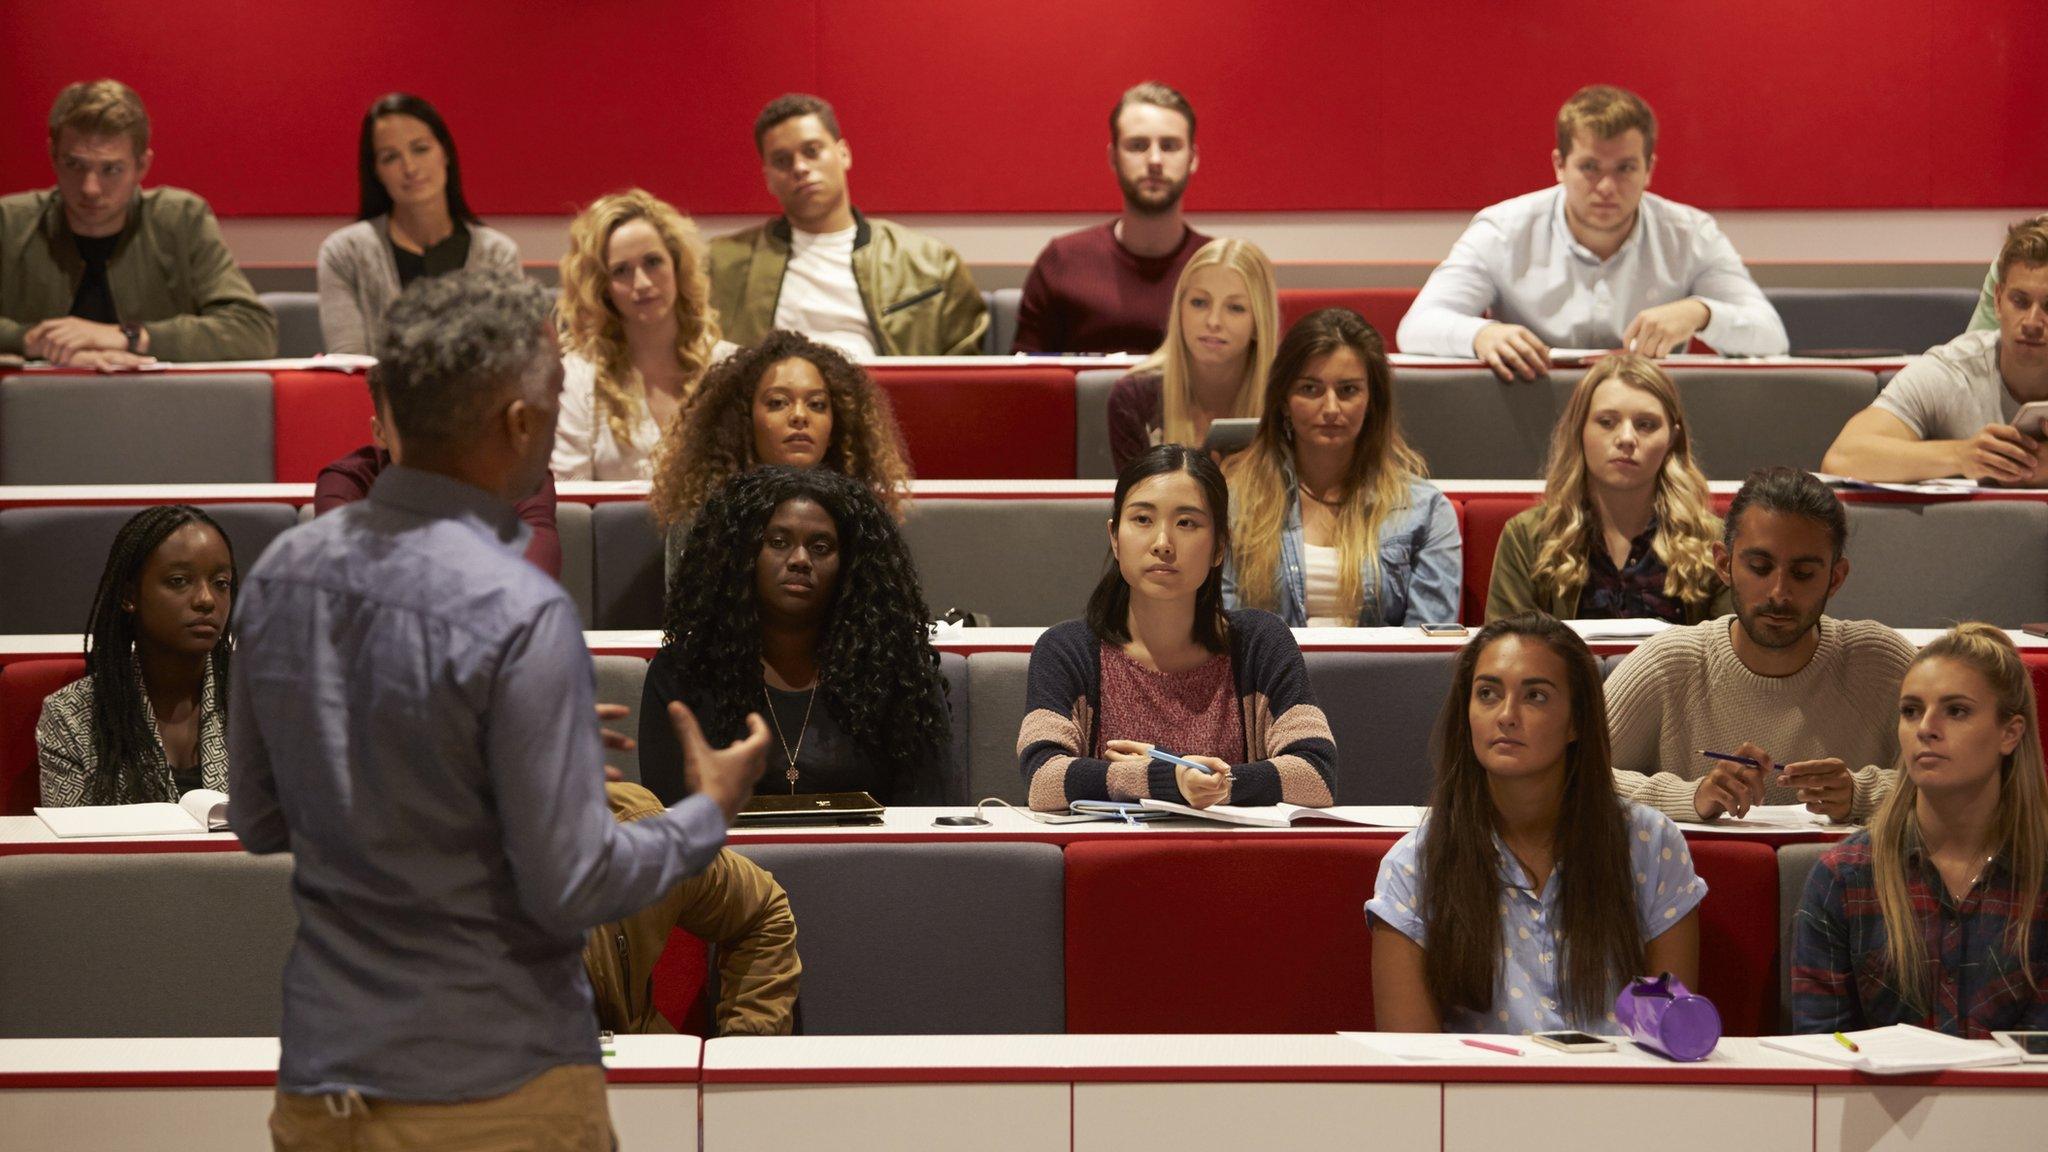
(454, 346)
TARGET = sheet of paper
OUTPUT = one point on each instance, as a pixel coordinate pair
(118, 820)
(1435, 1046)
(1772, 818)
(1619, 629)
(1898, 1049)
(1384, 815)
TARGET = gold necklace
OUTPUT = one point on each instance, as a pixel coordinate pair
(1337, 503)
(790, 773)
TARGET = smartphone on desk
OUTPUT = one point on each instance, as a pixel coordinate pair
(1443, 629)
(1572, 1041)
(2033, 1046)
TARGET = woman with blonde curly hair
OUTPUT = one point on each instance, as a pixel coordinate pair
(787, 400)
(638, 333)
(1624, 529)
(1219, 346)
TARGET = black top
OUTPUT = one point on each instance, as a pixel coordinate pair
(447, 256)
(827, 761)
(95, 297)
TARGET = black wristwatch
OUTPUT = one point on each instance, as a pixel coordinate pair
(134, 334)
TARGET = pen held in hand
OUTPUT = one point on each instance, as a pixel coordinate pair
(1161, 754)
(1745, 761)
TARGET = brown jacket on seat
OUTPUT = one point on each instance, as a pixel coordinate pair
(733, 904)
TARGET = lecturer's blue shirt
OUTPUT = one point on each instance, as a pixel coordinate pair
(411, 716)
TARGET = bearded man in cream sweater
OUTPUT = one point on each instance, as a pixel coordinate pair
(1812, 700)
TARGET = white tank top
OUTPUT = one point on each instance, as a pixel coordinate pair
(1320, 567)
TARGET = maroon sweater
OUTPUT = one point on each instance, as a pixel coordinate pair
(1088, 293)
(348, 480)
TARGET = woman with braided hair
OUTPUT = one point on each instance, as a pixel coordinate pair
(796, 599)
(148, 722)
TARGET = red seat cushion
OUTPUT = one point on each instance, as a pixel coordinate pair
(1739, 933)
(1381, 307)
(2037, 664)
(679, 984)
(986, 423)
(321, 417)
(1213, 935)
(23, 687)
(1485, 518)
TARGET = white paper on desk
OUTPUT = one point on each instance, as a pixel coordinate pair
(1431, 1046)
(1899, 1050)
(119, 820)
(1955, 486)
(325, 362)
(1772, 818)
(1631, 628)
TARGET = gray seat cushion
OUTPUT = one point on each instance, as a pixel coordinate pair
(996, 681)
(905, 939)
(201, 428)
(1795, 862)
(625, 567)
(1747, 418)
(1931, 565)
(1023, 562)
(158, 944)
(1092, 457)
(1382, 708)
(1872, 320)
(51, 558)
(298, 323)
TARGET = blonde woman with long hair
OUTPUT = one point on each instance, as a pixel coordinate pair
(1934, 916)
(1335, 523)
(1214, 363)
(638, 333)
(1624, 529)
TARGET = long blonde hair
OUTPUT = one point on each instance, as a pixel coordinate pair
(1686, 524)
(1171, 359)
(1376, 485)
(2022, 825)
(590, 324)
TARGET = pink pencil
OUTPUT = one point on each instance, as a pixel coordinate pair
(1500, 1048)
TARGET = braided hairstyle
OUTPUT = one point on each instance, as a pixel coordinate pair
(878, 675)
(122, 735)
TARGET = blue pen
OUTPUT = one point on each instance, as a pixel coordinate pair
(1745, 761)
(1170, 758)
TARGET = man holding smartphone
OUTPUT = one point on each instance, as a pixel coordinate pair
(1958, 410)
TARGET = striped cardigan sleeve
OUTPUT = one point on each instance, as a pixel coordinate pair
(1061, 695)
(1283, 727)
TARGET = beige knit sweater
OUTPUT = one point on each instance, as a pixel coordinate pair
(1685, 690)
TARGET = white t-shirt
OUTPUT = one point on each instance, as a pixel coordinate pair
(819, 295)
(1320, 567)
(1953, 391)
(584, 447)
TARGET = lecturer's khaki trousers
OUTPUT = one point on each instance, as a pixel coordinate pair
(560, 1110)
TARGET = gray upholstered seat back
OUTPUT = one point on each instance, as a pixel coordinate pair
(625, 566)
(1795, 862)
(1469, 425)
(1872, 320)
(619, 681)
(996, 682)
(298, 323)
(1746, 418)
(193, 944)
(198, 428)
(1023, 562)
(1002, 320)
(1382, 708)
(1092, 459)
(1930, 565)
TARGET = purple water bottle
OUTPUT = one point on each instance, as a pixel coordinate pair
(1666, 1017)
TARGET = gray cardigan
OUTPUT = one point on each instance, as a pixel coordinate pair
(359, 278)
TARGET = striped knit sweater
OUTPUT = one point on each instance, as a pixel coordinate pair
(1685, 690)
(1290, 756)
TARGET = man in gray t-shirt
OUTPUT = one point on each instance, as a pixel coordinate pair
(1953, 412)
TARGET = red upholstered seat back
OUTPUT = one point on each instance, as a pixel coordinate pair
(1739, 933)
(23, 687)
(991, 423)
(1381, 307)
(1213, 935)
(2037, 664)
(321, 417)
(1485, 517)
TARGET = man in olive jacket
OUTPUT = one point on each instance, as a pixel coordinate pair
(99, 273)
(866, 286)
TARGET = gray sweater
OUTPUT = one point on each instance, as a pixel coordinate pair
(359, 278)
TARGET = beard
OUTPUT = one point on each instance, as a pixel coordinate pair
(1770, 634)
(1155, 204)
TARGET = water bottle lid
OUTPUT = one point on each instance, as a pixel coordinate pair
(1690, 1028)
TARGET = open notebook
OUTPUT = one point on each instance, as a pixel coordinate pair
(1901, 1049)
(1288, 815)
(200, 810)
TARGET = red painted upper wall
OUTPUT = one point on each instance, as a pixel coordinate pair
(1002, 107)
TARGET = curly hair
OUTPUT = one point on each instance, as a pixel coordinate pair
(124, 735)
(878, 675)
(713, 439)
(590, 323)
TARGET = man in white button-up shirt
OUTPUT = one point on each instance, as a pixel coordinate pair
(1595, 262)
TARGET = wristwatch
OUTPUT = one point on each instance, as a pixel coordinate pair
(134, 334)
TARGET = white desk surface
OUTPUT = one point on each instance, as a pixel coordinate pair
(215, 1060)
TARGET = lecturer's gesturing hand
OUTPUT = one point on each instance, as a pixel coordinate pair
(726, 774)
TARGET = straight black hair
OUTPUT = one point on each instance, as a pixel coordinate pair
(1793, 491)
(1109, 606)
(371, 198)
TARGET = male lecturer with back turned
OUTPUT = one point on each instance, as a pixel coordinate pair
(412, 717)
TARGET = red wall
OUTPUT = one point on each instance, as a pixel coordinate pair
(999, 107)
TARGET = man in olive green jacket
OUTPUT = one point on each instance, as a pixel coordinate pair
(99, 273)
(866, 286)
(734, 904)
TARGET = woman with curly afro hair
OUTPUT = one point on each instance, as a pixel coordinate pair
(796, 599)
(787, 400)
